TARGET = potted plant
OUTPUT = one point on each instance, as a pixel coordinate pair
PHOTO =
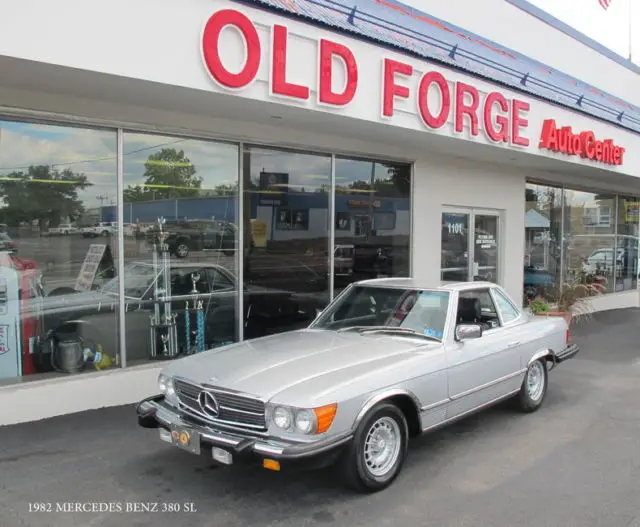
(539, 305)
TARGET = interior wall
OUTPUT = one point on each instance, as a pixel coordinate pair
(441, 182)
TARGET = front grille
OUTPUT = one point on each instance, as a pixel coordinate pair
(234, 409)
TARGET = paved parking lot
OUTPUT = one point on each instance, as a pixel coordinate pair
(573, 463)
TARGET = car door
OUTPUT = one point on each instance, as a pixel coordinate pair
(480, 370)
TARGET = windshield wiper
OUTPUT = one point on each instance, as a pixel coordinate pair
(389, 329)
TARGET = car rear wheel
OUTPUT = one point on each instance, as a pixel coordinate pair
(534, 387)
(377, 452)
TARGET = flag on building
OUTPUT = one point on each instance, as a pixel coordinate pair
(604, 4)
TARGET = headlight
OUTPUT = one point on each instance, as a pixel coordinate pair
(163, 383)
(303, 420)
(282, 418)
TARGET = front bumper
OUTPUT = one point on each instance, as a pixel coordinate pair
(567, 353)
(155, 413)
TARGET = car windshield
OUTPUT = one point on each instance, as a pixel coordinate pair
(138, 279)
(423, 312)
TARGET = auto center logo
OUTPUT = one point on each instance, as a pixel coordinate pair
(209, 404)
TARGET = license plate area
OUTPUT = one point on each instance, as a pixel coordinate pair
(185, 438)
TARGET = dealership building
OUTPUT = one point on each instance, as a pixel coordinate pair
(287, 148)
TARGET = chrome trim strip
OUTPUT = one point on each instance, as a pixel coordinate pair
(381, 397)
(231, 425)
(245, 412)
(468, 412)
(488, 385)
(434, 405)
(538, 355)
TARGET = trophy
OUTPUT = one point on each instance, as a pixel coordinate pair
(164, 337)
(195, 278)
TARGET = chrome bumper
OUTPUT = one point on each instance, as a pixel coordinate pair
(567, 353)
(153, 413)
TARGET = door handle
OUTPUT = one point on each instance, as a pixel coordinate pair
(513, 344)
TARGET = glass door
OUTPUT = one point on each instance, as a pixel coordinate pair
(456, 248)
(470, 249)
(485, 253)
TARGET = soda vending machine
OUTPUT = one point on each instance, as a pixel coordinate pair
(10, 346)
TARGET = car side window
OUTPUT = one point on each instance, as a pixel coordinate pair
(477, 307)
(507, 309)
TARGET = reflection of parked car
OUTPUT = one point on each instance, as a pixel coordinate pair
(7, 244)
(387, 360)
(64, 229)
(103, 228)
(185, 236)
(265, 310)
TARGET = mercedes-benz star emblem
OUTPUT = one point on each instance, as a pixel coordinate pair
(208, 404)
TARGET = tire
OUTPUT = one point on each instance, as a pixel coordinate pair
(358, 474)
(532, 394)
(182, 250)
(105, 233)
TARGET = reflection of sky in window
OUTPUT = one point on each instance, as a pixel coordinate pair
(84, 151)
(311, 172)
(215, 163)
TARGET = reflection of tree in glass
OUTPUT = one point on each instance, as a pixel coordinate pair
(168, 174)
(42, 193)
(397, 184)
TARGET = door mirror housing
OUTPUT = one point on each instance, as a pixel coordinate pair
(468, 331)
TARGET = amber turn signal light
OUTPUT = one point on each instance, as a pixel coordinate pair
(324, 417)
(271, 464)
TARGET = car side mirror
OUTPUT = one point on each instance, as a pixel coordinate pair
(468, 331)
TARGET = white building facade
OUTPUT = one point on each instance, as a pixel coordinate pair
(291, 147)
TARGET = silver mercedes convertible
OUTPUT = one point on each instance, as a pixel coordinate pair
(387, 360)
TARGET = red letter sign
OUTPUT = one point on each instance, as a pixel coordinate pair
(423, 104)
(463, 108)
(326, 95)
(502, 133)
(518, 122)
(390, 88)
(210, 48)
(280, 86)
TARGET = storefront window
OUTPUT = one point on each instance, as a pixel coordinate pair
(181, 234)
(285, 227)
(589, 238)
(57, 250)
(372, 221)
(543, 242)
(626, 264)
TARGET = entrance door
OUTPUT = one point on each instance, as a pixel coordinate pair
(470, 249)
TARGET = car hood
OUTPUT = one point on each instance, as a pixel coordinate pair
(315, 360)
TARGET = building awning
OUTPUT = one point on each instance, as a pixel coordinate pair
(403, 28)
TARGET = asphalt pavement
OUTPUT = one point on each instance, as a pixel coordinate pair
(574, 463)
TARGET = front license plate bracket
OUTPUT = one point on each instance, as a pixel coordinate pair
(185, 438)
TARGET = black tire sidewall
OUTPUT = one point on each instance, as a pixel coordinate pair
(526, 402)
(366, 479)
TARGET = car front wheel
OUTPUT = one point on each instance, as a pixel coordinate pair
(375, 457)
(534, 387)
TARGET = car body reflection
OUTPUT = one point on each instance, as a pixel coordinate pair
(266, 310)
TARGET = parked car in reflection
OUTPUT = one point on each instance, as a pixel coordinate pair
(387, 360)
(7, 244)
(186, 236)
(92, 314)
